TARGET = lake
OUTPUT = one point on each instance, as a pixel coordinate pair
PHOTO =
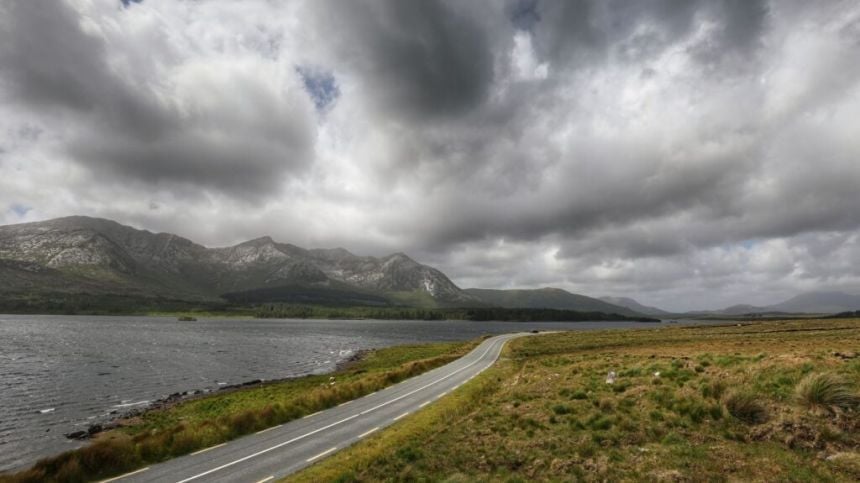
(60, 374)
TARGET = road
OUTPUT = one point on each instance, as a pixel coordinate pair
(279, 451)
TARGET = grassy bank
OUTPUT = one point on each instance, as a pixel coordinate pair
(191, 425)
(770, 401)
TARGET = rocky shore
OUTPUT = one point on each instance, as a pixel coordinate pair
(127, 418)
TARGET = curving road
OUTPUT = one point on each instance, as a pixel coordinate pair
(279, 451)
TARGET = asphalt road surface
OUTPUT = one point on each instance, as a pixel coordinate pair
(279, 451)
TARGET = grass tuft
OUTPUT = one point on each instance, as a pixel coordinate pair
(827, 391)
(745, 406)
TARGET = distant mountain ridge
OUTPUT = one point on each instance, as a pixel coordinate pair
(635, 306)
(809, 303)
(94, 255)
(547, 298)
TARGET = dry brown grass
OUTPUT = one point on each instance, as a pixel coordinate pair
(546, 413)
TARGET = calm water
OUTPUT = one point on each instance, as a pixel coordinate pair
(60, 374)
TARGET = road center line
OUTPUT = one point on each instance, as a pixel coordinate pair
(208, 449)
(297, 438)
(268, 429)
(125, 475)
(322, 454)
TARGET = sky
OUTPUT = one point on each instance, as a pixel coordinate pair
(689, 154)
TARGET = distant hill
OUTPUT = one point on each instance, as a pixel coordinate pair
(741, 309)
(808, 303)
(819, 303)
(93, 257)
(634, 305)
(547, 298)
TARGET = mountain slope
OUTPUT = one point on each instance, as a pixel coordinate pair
(634, 305)
(819, 303)
(809, 303)
(97, 256)
(546, 298)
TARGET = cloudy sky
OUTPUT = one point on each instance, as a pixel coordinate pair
(688, 154)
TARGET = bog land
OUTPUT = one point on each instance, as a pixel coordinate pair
(769, 401)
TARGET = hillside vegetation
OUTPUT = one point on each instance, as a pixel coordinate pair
(771, 401)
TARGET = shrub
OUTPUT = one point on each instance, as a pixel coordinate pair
(714, 389)
(561, 409)
(826, 391)
(243, 423)
(746, 407)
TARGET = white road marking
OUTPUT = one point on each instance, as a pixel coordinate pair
(322, 454)
(423, 404)
(345, 403)
(297, 438)
(125, 475)
(311, 414)
(402, 415)
(430, 384)
(268, 478)
(268, 429)
(208, 449)
(367, 432)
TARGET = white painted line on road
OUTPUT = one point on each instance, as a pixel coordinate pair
(322, 454)
(423, 404)
(264, 451)
(311, 414)
(367, 432)
(344, 403)
(432, 383)
(268, 429)
(208, 449)
(402, 415)
(125, 475)
(297, 438)
(268, 478)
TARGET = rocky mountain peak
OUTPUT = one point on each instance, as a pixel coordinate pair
(165, 264)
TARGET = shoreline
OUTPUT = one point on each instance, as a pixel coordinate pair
(178, 424)
(130, 417)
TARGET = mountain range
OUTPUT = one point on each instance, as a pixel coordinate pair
(98, 256)
(809, 303)
(635, 306)
(66, 259)
(547, 298)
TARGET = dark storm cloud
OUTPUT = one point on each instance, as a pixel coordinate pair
(131, 126)
(420, 59)
(667, 148)
(579, 33)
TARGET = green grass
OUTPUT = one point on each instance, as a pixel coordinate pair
(544, 412)
(162, 434)
(827, 391)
